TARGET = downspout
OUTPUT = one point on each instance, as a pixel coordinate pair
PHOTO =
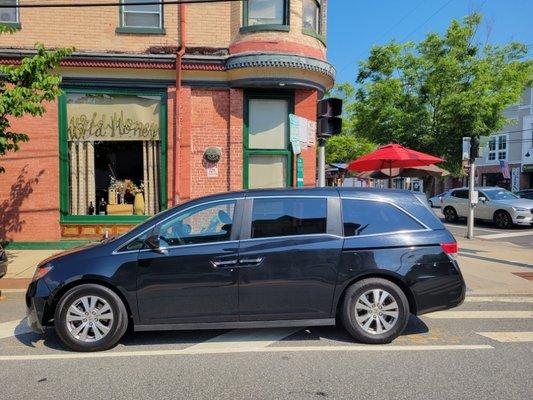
(177, 136)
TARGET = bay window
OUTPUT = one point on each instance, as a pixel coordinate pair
(311, 16)
(267, 152)
(267, 13)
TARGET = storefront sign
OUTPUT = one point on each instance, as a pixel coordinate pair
(212, 170)
(113, 119)
(302, 133)
(299, 171)
(515, 179)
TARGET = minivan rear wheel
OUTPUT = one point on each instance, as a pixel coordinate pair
(375, 311)
(90, 317)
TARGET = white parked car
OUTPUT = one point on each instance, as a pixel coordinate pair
(495, 204)
(437, 200)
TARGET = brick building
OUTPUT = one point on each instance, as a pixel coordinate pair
(150, 92)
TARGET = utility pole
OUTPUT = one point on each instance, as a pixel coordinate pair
(321, 162)
(472, 193)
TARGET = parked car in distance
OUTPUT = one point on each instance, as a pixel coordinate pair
(436, 201)
(525, 194)
(3, 262)
(495, 204)
(261, 258)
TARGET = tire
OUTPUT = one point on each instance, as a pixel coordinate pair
(450, 215)
(102, 327)
(503, 220)
(351, 311)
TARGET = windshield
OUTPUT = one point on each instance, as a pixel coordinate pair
(501, 194)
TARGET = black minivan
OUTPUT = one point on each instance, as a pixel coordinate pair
(258, 258)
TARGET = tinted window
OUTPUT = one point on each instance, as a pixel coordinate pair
(203, 224)
(462, 194)
(362, 217)
(287, 217)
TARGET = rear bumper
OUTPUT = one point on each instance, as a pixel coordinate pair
(444, 288)
(36, 305)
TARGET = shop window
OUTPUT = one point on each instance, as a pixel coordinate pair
(311, 16)
(9, 15)
(265, 12)
(142, 15)
(114, 155)
(267, 153)
(497, 148)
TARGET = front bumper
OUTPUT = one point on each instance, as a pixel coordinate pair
(36, 305)
(3, 268)
(522, 218)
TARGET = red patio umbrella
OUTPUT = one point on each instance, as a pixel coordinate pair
(392, 156)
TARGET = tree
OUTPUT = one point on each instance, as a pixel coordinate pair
(24, 89)
(427, 96)
(346, 147)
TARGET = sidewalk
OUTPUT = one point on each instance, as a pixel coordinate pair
(489, 268)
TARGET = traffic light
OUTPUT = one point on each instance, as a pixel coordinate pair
(328, 121)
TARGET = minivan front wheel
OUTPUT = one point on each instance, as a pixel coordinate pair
(375, 311)
(90, 318)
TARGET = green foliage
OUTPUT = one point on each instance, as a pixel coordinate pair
(427, 96)
(346, 147)
(24, 88)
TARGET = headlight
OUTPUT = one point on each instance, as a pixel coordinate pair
(41, 271)
(520, 209)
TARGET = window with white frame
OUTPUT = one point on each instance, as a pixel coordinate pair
(497, 148)
(265, 12)
(311, 16)
(9, 15)
(141, 15)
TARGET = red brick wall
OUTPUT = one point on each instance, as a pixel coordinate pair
(29, 190)
(305, 106)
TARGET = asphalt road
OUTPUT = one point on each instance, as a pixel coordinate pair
(518, 235)
(440, 356)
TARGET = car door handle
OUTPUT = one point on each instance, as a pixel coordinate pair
(223, 264)
(251, 261)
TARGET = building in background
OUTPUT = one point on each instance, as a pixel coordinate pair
(510, 148)
(186, 104)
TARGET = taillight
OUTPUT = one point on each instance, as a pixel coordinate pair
(40, 272)
(450, 248)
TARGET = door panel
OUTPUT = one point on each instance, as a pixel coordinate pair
(288, 258)
(185, 286)
(193, 277)
(295, 279)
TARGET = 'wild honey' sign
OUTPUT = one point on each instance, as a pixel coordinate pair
(113, 118)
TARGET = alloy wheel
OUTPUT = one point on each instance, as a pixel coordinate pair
(89, 318)
(376, 311)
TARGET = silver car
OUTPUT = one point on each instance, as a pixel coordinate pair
(437, 200)
(495, 204)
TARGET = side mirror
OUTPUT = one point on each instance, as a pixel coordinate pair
(154, 243)
(482, 199)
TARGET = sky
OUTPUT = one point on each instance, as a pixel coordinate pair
(355, 25)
